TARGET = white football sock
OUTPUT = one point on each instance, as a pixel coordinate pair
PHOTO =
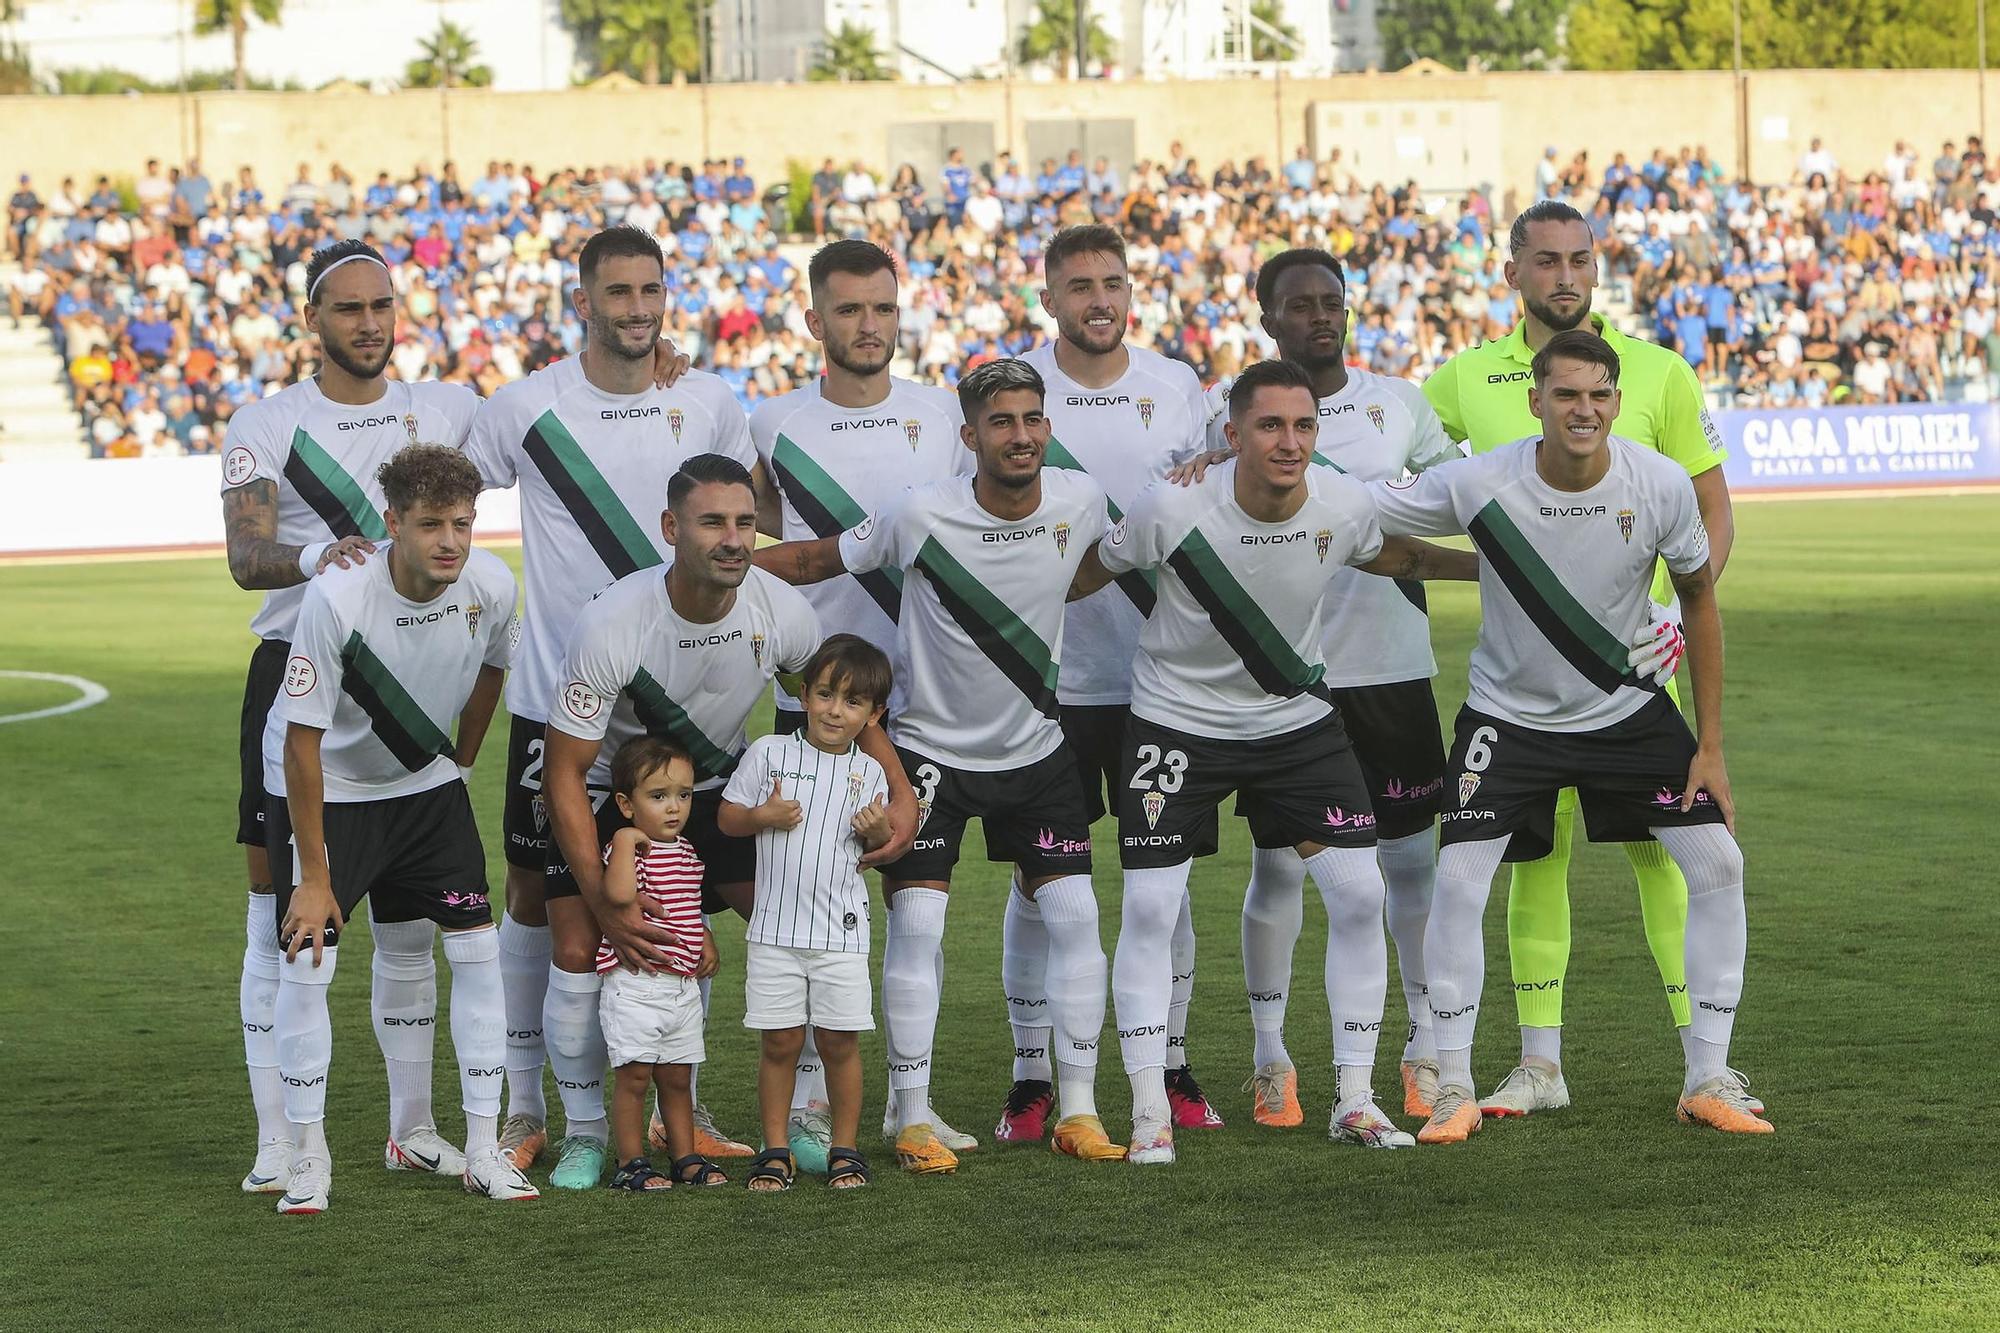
(304, 1036)
(1024, 961)
(478, 1029)
(1351, 1083)
(1717, 941)
(1544, 1044)
(1273, 915)
(1181, 956)
(524, 975)
(1357, 955)
(576, 1050)
(256, 996)
(311, 1140)
(403, 1004)
(910, 996)
(1142, 968)
(1076, 989)
(809, 1077)
(1149, 1096)
(1409, 873)
(1455, 951)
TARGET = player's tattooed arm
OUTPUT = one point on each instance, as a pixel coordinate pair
(1090, 575)
(1408, 558)
(256, 558)
(1701, 622)
(802, 562)
(477, 715)
(874, 742)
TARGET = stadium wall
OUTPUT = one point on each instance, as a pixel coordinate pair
(769, 124)
(171, 503)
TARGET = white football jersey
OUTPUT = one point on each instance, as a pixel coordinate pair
(1232, 651)
(981, 636)
(635, 666)
(1125, 436)
(593, 469)
(324, 456)
(1563, 575)
(834, 466)
(385, 677)
(810, 893)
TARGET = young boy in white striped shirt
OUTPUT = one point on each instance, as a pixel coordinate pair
(815, 804)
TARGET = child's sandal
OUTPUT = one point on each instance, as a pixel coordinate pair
(847, 1169)
(696, 1170)
(773, 1164)
(639, 1177)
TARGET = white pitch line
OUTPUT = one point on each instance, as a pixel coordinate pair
(88, 691)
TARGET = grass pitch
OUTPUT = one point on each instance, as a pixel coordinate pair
(1861, 741)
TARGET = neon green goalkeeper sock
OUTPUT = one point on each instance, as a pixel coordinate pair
(1538, 925)
(1663, 902)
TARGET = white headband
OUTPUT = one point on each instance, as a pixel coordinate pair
(313, 290)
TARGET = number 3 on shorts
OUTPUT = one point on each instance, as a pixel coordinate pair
(1479, 750)
(928, 778)
(1172, 765)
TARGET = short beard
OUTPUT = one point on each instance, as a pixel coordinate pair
(605, 336)
(1012, 483)
(1081, 337)
(1553, 322)
(1312, 361)
(352, 363)
(848, 362)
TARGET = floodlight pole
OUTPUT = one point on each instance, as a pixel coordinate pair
(1742, 88)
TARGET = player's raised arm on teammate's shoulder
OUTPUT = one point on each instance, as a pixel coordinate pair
(1090, 575)
(802, 561)
(1408, 558)
(258, 560)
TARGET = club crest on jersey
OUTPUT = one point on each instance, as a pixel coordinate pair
(854, 781)
(540, 810)
(923, 813)
(1468, 783)
(1625, 525)
(410, 425)
(472, 619)
(1145, 406)
(1322, 543)
(1376, 418)
(1062, 539)
(912, 429)
(757, 650)
(674, 419)
(1154, 804)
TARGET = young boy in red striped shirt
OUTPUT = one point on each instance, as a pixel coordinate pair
(652, 1020)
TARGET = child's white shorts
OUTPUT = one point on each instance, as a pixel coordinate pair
(651, 1018)
(790, 988)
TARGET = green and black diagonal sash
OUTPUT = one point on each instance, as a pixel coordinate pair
(612, 532)
(1015, 649)
(1137, 584)
(1266, 654)
(397, 720)
(662, 717)
(336, 497)
(1593, 650)
(829, 511)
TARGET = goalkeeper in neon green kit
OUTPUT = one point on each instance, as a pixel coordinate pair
(1481, 396)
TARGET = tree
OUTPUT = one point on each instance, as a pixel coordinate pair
(235, 16)
(1271, 38)
(1051, 38)
(446, 58)
(1777, 34)
(647, 39)
(1493, 34)
(849, 56)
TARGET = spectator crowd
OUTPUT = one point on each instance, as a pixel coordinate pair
(174, 299)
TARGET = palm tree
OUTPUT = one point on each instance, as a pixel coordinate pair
(1266, 20)
(235, 15)
(445, 59)
(647, 39)
(849, 56)
(1051, 38)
